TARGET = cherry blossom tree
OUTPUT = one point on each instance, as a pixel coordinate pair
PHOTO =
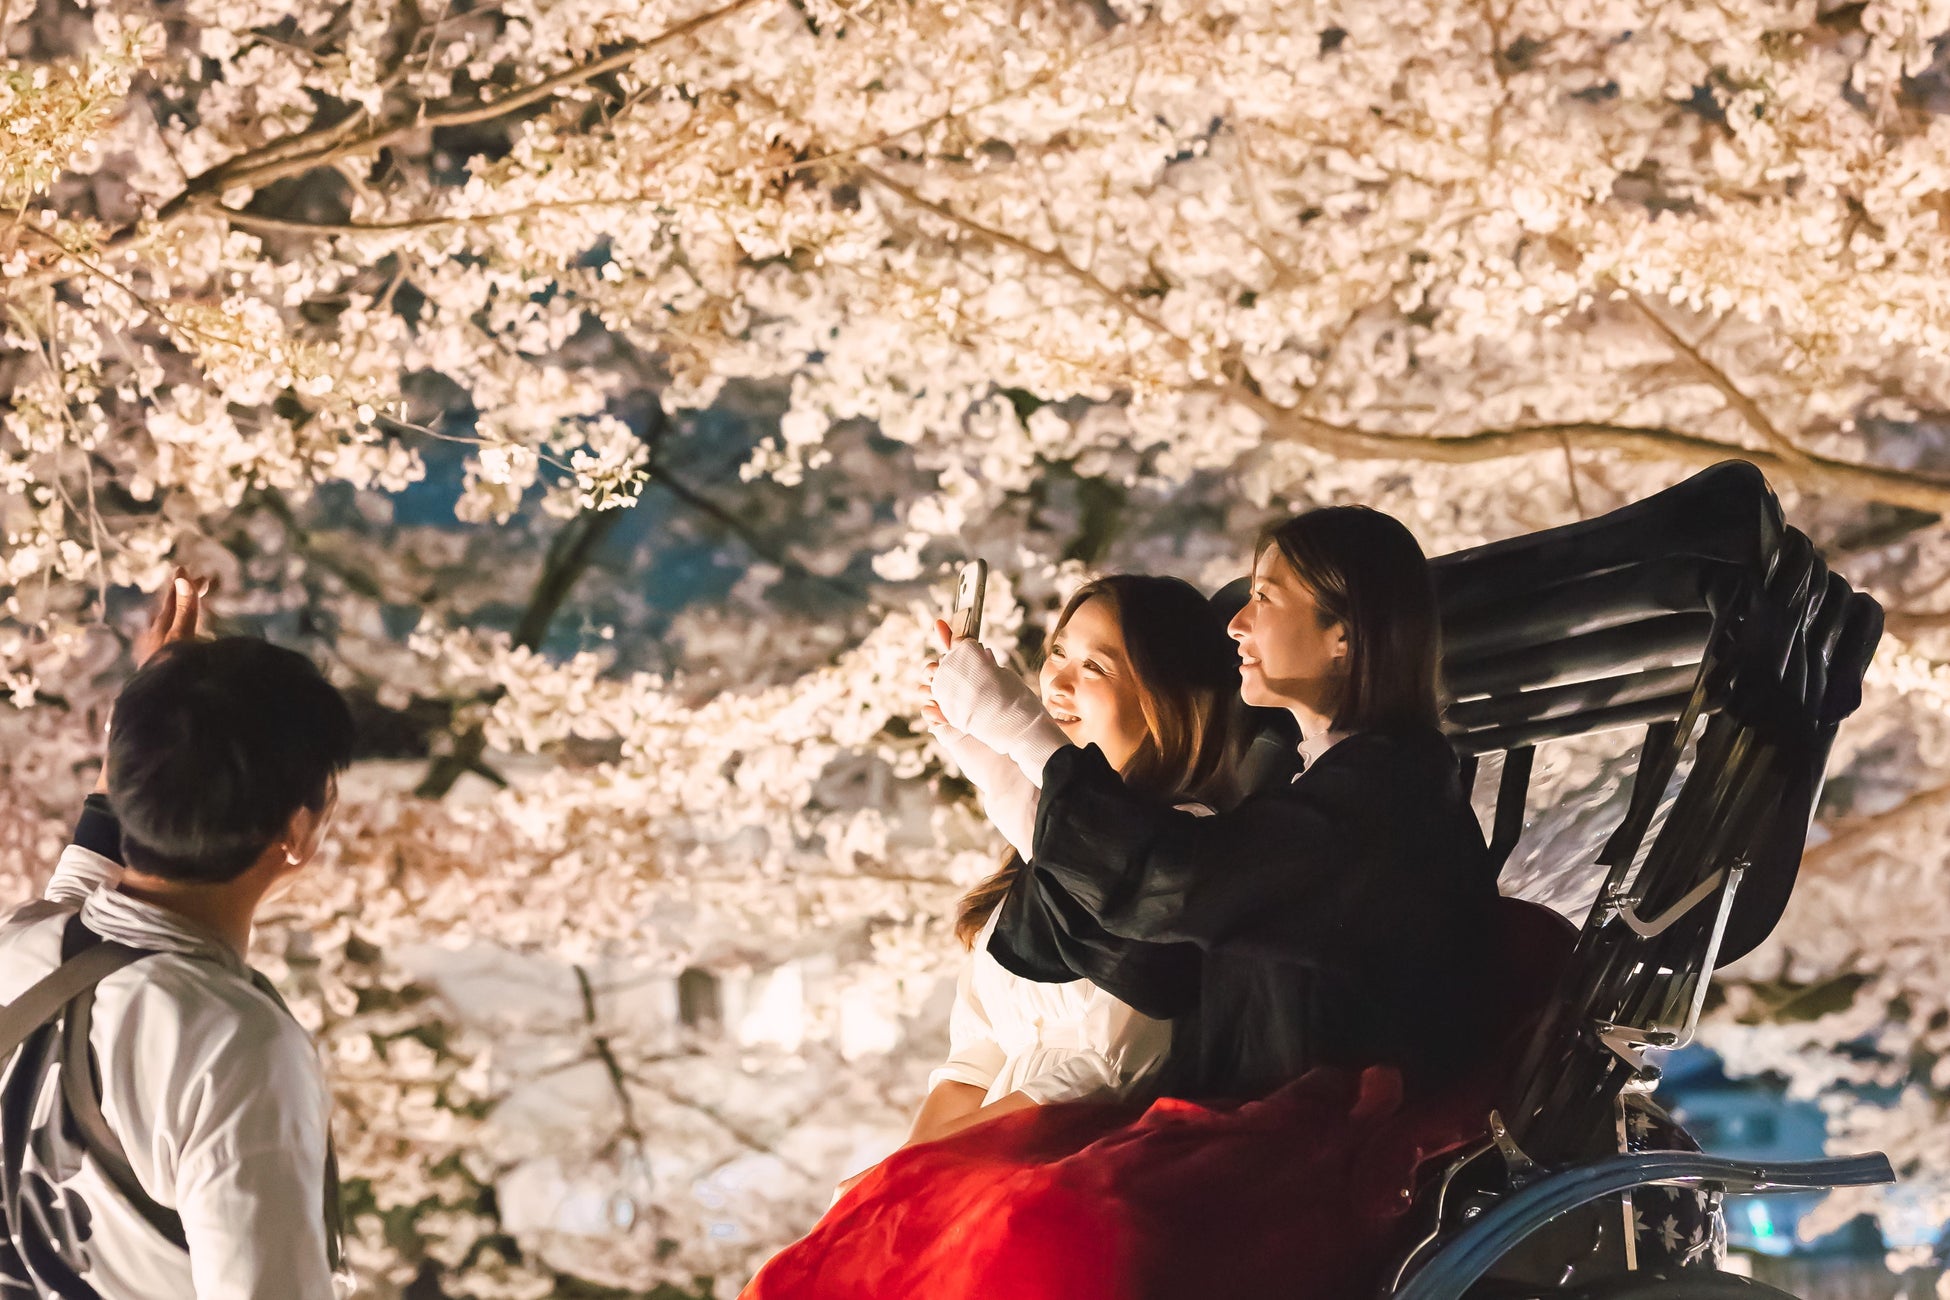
(441, 330)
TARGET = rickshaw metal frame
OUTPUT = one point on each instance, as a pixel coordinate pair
(1771, 648)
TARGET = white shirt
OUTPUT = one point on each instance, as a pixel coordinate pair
(1050, 1042)
(215, 1092)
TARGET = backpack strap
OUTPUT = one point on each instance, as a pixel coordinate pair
(43, 1001)
(81, 1090)
(38, 909)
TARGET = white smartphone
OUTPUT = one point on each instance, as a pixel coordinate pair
(966, 621)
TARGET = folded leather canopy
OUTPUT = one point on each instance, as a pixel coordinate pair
(1725, 513)
(1624, 597)
(1648, 645)
(1670, 584)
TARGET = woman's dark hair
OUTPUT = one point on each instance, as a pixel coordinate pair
(1187, 674)
(1368, 573)
(214, 746)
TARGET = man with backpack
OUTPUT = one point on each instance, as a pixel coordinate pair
(164, 1121)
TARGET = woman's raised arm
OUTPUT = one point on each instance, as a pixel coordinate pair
(1008, 797)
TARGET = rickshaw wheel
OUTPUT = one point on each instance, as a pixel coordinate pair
(1688, 1285)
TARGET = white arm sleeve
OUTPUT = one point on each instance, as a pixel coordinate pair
(974, 1057)
(1009, 798)
(992, 704)
(256, 1228)
(1075, 1077)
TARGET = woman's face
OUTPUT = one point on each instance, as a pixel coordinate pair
(1287, 658)
(1088, 685)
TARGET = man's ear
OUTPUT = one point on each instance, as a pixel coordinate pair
(301, 835)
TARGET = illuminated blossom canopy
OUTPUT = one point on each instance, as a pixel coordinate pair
(392, 315)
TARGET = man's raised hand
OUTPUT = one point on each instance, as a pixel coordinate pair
(178, 616)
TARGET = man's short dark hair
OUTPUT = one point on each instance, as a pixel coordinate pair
(214, 746)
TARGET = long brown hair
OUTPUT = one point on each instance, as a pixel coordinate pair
(1186, 670)
(1368, 573)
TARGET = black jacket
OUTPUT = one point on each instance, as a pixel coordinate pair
(1333, 921)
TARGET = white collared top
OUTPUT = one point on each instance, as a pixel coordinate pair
(1312, 747)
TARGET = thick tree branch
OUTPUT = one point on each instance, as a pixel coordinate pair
(318, 139)
(1748, 409)
(261, 221)
(1807, 472)
(1917, 620)
(1833, 853)
(1783, 462)
(309, 150)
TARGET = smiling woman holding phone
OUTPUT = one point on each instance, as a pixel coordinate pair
(1140, 668)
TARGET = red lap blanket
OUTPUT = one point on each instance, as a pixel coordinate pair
(1298, 1195)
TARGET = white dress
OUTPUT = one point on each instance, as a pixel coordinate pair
(1050, 1042)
